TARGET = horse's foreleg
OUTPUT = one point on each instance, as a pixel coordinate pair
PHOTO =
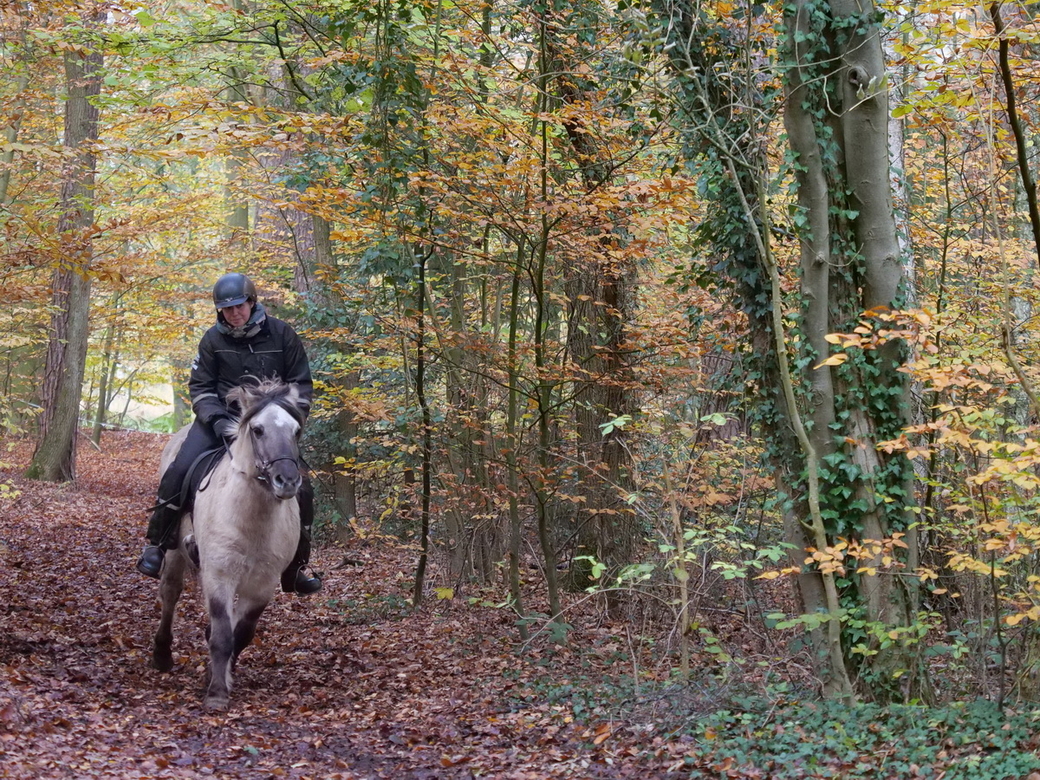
(248, 615)
(170, 587)
(221, 649)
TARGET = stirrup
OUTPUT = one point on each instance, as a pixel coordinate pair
(295, 580)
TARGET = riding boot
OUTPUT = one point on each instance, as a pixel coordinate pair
(294, 578)
(160, 533)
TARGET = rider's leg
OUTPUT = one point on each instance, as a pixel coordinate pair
(161, 536)
(295, 578)
(162, 526)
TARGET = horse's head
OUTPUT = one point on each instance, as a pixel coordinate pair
(269, 432)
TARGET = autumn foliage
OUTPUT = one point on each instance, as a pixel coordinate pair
(589, 294)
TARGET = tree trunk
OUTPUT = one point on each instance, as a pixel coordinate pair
(55, 456)
(237, 206)
(180, 372)
(105, 370)
(866, 400)
(599, 300)
(836, 116)
(427, 432)
(10, 136)
(344, 484)
(512, 466)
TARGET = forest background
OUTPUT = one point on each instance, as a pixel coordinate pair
(702, 310)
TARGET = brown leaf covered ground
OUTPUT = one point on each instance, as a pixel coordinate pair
(347, 684)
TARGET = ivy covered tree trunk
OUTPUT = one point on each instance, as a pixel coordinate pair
(722, 102)
(821, 422)
(836, 114)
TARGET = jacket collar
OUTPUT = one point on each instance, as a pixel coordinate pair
(251, 328)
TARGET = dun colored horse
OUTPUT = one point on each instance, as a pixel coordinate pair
(245, 525)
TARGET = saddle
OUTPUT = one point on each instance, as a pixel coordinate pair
(198, 471)
(200, 468)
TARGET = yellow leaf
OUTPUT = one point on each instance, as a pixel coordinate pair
(444, 594)
(833, 360)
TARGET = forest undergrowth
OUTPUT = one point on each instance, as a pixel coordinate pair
(355, 684)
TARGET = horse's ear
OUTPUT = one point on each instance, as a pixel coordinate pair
(296, 399)
(242, 395)
(235, 395)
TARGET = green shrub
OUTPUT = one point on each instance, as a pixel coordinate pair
(976, 741)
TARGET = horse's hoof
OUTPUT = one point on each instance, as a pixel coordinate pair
(162, 661)
(216, 703)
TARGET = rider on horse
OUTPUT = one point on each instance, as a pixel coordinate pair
(244, 345)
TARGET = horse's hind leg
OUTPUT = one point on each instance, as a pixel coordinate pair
(221, 648)
(170, 587)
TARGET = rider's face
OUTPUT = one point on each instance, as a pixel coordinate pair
(237, 316)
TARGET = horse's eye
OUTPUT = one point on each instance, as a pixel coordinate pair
(258, 430)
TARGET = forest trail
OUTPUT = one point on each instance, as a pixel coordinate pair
(348, 684)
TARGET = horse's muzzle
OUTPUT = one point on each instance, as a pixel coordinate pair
(282, 474)
(285, 485)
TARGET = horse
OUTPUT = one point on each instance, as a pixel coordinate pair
(244, 525)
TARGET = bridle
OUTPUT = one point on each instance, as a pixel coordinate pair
(263, 467)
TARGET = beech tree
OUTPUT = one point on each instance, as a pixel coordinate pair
(599, 292)
(55, 456)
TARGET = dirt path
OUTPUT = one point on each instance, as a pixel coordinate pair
(349, 684)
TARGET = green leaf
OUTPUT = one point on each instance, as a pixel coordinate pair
(617, 423)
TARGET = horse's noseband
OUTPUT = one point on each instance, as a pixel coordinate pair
(263, 467)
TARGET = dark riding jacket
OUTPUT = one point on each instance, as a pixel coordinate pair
(269, 348)
(224, 362)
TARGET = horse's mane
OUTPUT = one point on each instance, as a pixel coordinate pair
(253, 398)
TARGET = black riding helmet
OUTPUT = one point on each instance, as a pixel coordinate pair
(233, 289)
